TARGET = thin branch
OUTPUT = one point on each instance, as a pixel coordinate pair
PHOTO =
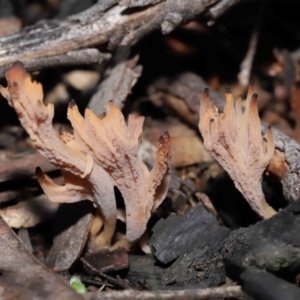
(221, 7)
(246, 65)
(209, 293)
(106, 23)
(119, 77)
(71, 58)
(117, 282)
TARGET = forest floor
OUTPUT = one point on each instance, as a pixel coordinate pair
(152, 59)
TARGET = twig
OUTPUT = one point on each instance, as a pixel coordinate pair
(137, 3)
(246, 65)
(104, 23)
(221, 7)
(96, 282)
(209, 293)
(117, 282)
(55, 37)
(119, 77)
(71, 58)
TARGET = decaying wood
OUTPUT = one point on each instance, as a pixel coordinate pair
(198, 268)
(187, 86)
(72, 224)
(106, 261)
(291, 150)
(267, 245)
(56, 37)
(177, 235)
(144, 272)
(256, 283)
(105, 22)
(71, 58)
(21, 273)
(221, 7)
(119, 77)
(209, 293)
(215, 11)
(138, 3)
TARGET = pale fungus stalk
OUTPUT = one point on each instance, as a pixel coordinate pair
(234, 139)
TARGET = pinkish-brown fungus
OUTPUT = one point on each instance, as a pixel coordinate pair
(100, 154)
(234, 139)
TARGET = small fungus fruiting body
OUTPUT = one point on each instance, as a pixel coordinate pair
(100, 154)
(234, 139)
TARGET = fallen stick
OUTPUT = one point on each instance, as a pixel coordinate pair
(209, 293)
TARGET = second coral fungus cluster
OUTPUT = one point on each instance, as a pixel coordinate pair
(234, 139)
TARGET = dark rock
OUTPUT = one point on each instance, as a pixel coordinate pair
(203, 267)
(177, 235)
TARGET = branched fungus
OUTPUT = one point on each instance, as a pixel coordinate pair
(114, 145)
(101, 153)
(234, 139)
(83, 178)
